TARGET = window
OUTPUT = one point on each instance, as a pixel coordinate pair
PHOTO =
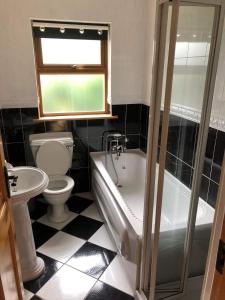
(71, 64)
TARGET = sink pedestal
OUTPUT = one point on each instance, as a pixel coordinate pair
(31, 265)
(30, 183)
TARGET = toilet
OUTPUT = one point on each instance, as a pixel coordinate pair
(53, 154)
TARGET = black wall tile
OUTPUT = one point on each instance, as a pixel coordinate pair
(184, 173)
(143, 143)
(211, 140)
(30, 127)
(80, 129)
(158, 154)
(213, 189)
(28, 114)
(204, 188)
(89, 176)
(12, 125)
(173, 134)
(171, 163)
(195, 143)
(160, 127)
(28, 155)
(133, 141)
(80, 154)
(218, 156)
(187, 141)
(5, 151)
(81, 178)
(144, 120)
(2, 128)
(16, 154)
(216, 171)
(96, 128)
(95, 144)
(133, 119)
(118, 124)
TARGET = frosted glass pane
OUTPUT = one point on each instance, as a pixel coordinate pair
(73, 93)
(68, 51)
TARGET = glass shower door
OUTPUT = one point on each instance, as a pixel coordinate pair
(179, 121)
(178, 154)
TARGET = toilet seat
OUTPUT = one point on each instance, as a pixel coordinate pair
(53, 158)
(65, 179)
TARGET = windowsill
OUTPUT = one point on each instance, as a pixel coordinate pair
(78, 117)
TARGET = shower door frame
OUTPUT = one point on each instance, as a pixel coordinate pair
(151, 239)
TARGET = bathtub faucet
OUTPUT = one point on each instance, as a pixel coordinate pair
(118, 149)
(117, 143)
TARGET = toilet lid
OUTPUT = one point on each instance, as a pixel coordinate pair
(53, 158)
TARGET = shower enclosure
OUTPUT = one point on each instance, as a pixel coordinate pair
(175, 244)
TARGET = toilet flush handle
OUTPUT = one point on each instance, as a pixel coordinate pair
(70, 146)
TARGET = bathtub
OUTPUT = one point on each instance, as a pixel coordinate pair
(122, 207)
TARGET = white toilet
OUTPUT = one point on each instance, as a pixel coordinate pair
(53, 154)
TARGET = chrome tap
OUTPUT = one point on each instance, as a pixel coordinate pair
(13, 182)
(114, 143)
(117, 143)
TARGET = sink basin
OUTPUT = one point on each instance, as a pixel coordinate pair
(31, 182)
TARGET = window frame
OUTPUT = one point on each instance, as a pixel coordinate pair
(57, 69)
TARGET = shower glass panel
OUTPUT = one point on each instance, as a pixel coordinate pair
(193, 39)
(186, 57)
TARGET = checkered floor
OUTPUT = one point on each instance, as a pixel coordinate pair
(80, 258)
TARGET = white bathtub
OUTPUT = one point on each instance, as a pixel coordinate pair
(123, 206)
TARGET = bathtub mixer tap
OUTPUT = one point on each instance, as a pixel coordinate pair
(120, 149)
(117, 143)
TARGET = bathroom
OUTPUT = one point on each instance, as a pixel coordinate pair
(94, 252)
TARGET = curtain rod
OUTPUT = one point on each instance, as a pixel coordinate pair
(70, 26)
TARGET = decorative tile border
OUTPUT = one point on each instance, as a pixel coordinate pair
(195, 115)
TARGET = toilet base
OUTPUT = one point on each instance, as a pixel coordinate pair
(35, 272)
(58, 213)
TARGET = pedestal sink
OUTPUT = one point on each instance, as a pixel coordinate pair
(30, 182)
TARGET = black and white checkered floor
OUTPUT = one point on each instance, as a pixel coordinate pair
(80, 258)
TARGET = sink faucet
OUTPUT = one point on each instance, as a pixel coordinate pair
(13, 181)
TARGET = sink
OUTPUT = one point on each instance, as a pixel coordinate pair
(30, 182)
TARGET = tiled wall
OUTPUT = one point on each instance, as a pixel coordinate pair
(18, 123)
(144, 127)
(181, 147)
